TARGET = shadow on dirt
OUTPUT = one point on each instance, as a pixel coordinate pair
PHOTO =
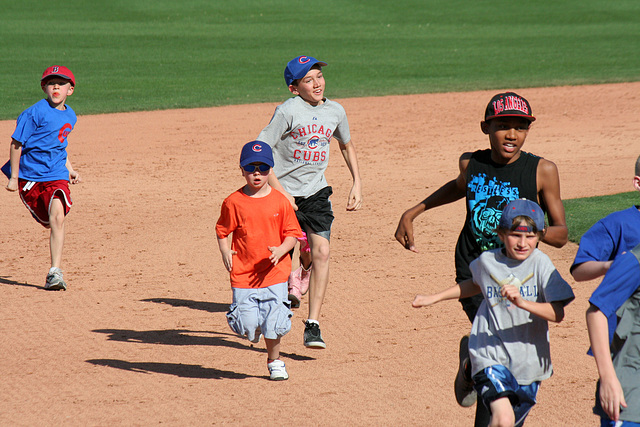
(186, 337)
(5, 281)
(211, 307)
(177, 369)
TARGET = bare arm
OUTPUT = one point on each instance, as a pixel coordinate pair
(74, 177)
(611, 394)
(590, 270)
(463, 289)
(14, 160)
(226, 252)
(548, 180)
(275, 183)
(448, 193)
(355, 195)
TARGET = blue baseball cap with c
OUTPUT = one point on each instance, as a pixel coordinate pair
(256, 151)
(298, 67)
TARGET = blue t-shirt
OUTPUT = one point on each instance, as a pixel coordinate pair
(620, 282)
(42, 131)
(612, 235)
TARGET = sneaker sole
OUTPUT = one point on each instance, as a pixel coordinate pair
(56, 287)
(315, 344)
(295, 301)
(279, 378)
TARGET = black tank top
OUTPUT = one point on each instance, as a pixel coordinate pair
(490, 186)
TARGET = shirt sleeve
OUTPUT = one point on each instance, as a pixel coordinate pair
(226, 223)
(595, 245)
(25, 126)
(557, 289)
(342, 132)
(291, 226)
(276, 129)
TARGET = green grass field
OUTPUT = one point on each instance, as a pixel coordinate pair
(131, 55)
(583, 213)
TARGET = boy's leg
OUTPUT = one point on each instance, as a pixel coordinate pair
(273, 348)
(502, 412)
(319, 275)
(56, 239)
(55, 280)
(318, 283)
(277, 369)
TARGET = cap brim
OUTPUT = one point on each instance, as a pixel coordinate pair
(57, 75)
(530, 118)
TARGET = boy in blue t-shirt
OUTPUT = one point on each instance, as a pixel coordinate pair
(39, 167)
(606, 239)
(614, 332)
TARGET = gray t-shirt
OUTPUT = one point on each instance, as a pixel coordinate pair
(503, 334)
(299, 135)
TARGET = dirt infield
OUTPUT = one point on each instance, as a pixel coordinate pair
(140, 337)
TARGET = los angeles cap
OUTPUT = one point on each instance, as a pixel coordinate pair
(256, 151)
(508, 104)
(298, 67)
(522, 207)
(60, 71)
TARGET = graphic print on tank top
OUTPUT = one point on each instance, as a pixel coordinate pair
(487, 198)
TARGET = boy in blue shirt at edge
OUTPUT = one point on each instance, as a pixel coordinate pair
(38, 165)
(606, 239)
(613, 322)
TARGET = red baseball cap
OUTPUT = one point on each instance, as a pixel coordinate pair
(60, 71)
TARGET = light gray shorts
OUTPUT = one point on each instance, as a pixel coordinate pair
(260, 310)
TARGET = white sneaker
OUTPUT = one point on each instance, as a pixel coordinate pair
(55, 282)
(277, 370)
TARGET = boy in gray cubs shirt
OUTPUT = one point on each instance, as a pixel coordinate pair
(299, 133)
(522, 290)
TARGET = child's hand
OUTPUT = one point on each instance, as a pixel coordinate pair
(423, 301)
(12, 185)
(276, 254)
(612, 397)
(355, 199)
(512, 293)
(227, 259)
(74, 177)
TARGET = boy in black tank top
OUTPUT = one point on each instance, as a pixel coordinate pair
(488, 180)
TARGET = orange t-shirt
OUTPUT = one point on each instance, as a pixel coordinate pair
(256, 224)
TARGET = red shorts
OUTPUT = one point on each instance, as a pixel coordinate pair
(37, 197)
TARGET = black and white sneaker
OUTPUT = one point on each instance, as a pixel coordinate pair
(312, 336)
(55, 281)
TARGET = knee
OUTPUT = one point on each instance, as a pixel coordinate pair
(503, 419)
(320, 253)
(56, 220)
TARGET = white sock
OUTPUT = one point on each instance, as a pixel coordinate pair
(313, 321)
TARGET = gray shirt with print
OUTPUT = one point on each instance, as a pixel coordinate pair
(503, 334)
(299, 135)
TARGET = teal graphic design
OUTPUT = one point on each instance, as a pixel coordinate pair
(487, 198)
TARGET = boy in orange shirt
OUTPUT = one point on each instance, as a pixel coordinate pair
(265, 229)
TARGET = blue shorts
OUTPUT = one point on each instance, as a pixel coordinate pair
(496, 382)
(256, 311)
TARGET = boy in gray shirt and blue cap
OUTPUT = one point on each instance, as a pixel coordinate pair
(522, 290)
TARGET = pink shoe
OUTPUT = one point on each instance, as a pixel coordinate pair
(295, 296)
(305, 275)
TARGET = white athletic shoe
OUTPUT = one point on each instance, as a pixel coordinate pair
(277, 370)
